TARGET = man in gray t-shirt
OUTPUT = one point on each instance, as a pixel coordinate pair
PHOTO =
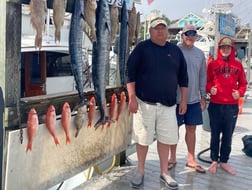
(196, 103)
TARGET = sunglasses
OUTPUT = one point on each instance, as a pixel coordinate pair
(190, 33)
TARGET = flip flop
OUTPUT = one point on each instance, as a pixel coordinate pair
(197, 168)
(171, 165)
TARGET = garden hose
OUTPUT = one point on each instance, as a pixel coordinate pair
(88, 173)
(201, 159)
(97, 170)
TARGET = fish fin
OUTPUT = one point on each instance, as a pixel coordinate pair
(82, 15)
(82, 103)
(101, 122)
(56, 141)
(109, 27)
(77, 133)
(117, 117)
(29, 146)
(67, 139)
(89, 124)
(109, 122)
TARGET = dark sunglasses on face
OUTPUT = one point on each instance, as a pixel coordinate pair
(190, 33)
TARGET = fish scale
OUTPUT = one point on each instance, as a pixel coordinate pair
(75, 46)
(100, 58)
(123, 44)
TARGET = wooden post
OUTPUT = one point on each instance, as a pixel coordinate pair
(10, 56)
(2, 84)
(1, 136)
(3, 43)
(13, 53)
(249, 57)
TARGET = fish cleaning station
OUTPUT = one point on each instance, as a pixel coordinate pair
(63, 95)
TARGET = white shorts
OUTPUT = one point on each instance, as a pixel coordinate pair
(156, 120)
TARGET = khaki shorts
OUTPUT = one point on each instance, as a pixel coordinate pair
(151, 120)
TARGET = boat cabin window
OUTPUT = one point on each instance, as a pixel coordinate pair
(58, 64)
(35, 74)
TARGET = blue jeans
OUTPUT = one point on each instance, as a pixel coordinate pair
(223, 119)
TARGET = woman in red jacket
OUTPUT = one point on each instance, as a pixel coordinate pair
(226, 83)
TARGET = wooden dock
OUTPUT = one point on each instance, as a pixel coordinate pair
(187, 178)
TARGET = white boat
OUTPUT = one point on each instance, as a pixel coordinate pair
(49, 69)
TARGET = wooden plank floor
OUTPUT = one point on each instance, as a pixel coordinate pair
(187, 178)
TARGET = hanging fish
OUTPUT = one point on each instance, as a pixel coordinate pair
(121, 105)
(100, 58)
(138, 26)
(32, 127)
(113, 108)
(66, 120)
(114, 18)
(91, 111)
(38, 16)
(89, 14)
(51, 122)
(132, 24)
(123, 44)
(59, 7)
(80, 119)
(75, 47)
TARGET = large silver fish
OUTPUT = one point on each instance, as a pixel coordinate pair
(38, 16)
(75, 46)
(123, 44)
(59, 7)
(100, 58)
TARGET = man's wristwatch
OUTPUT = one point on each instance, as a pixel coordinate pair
(206, 97)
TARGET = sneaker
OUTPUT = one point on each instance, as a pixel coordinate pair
(169, 181)
(137, 181)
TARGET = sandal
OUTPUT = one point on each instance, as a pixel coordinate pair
(171, 165)
(197, 168)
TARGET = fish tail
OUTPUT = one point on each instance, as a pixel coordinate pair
(29, 146)
(82, 103)
(56, 141)
(110, 120)
(68, 139)
(89, 124)
(38, 41)
(117, 118)
(77, 133)
(57, 34)
(102, 121)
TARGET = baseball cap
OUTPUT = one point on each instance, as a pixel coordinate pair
(189, 27)
(158, 21)
(225, 42)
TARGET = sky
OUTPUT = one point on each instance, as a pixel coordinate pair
(176, 9)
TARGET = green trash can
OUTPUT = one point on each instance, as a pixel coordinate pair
(205, 116)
